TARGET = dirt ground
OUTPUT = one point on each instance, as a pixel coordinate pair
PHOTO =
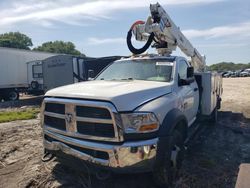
(212, 159)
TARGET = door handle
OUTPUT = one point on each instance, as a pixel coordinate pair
(196, 89)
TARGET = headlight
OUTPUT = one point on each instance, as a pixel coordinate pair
(139, 122)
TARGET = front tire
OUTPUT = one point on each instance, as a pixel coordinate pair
(34, 85)
(165, 175)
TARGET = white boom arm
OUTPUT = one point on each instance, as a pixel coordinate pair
(168, 36)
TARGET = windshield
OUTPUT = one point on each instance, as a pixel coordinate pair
(138, 70)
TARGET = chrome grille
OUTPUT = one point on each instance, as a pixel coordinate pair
(81, 119)
(92, 112)
(55, 108)
(56, 123)
(95, 129)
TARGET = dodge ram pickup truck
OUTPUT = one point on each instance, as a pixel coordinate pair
(133, 114)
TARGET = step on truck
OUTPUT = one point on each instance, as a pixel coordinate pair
(136, 115)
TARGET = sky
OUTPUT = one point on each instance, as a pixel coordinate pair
(219, 29)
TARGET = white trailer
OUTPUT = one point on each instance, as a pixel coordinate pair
(13, 70)
(62, 70)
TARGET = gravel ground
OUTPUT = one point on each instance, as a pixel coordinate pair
(212, 159)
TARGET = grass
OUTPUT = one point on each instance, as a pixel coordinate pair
(25, 114)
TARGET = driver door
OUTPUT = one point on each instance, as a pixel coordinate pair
(188, 93)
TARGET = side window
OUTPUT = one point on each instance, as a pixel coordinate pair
(182, 69)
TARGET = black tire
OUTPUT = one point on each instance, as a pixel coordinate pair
(11, 95)
(166, 174)
(34, 85)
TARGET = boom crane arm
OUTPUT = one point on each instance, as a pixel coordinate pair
(166, 35)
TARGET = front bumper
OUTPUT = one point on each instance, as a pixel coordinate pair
(136, 156)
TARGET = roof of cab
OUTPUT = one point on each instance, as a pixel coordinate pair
(150, 57)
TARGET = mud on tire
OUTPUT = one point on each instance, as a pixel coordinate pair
(165, 175)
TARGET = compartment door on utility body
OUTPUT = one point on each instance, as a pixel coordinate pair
(188, 93)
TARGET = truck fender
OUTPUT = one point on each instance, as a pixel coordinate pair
(171, 120)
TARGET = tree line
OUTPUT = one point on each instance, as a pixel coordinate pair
(228, 66)
(22, 41)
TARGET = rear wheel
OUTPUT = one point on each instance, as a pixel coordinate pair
(166, 174)
(11, 95)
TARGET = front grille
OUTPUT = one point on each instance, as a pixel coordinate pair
(56, 123)
(55, 108)
(81, 119)
(91, 112)
(93, 153)
(95, 129)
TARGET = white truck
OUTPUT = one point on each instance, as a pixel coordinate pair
(137, 114)
(13, 70)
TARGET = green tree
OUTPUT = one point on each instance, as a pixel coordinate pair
(60, 47)
(15, 40)
(228, 66)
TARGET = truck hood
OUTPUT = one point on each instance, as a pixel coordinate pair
(125, 95)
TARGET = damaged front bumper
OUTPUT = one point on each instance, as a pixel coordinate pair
(136, 156)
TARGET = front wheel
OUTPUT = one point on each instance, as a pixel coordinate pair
(34, 85)
(165, 175)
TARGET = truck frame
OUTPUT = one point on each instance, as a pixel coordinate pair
(137, 114)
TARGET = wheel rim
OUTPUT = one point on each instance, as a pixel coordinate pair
(174, 156)
(171, 170)
(33, 85)
(12, 95)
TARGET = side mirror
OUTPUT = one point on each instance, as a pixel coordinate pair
(184, 82)
(190, 77)
(190, 72)
(90, 74)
